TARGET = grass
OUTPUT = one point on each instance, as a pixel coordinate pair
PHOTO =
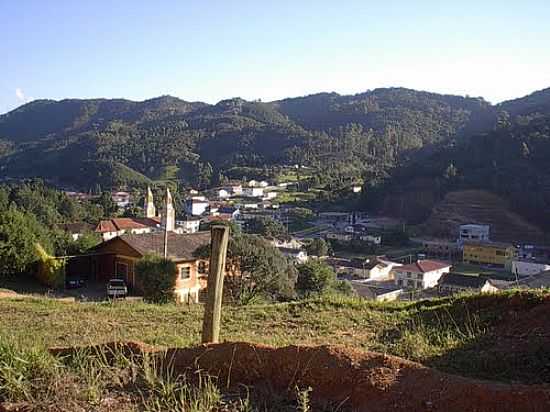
(452, 334)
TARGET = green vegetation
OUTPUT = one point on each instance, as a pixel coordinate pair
(459, 334)
(256, 271)
(157, 278)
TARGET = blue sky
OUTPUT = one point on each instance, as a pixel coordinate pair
(213, 49)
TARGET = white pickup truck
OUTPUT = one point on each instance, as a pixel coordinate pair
(116, 288)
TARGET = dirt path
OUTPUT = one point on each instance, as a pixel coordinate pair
(353, 379)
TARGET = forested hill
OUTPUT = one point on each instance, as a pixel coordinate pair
(119, 142)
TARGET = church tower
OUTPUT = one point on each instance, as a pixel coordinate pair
(169, 213)
(150, 210)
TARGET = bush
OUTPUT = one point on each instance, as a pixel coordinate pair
(317, 247)
(314, 277)
(51, 270)
(157, 277)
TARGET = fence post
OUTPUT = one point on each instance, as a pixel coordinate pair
(213, 308)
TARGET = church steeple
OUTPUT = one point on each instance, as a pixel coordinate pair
(169, 213)
(150, 210)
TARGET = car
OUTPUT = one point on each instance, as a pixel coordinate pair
(116, 288)
(74, 282)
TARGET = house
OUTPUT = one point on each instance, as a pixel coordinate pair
(263, 184)
(121, 199)
(189, 225)
(229, 210)
(422, 274)
(340, 236)
(253, 191)
(378, 291)
(356, 189)
(117, 258)
(299, 256)
(111, 228)
(77, 229)
(538, 281)
(270, 195)
(528, 267)
(440, 247)
(451, 283)
(473, 232)
(371, 239)
(223, 193)
(197, 205)
(291, 243)
(380, 269)
(236, 188)
(252, 183)
(490, 253)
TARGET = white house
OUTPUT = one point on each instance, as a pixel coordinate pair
(197, 205)
(291, 243)
(473, 232)
(223, 193)
(253, 191)
(375, 240)
(529, 267)
(342, 236)
(270, 195)
(189, 225)
(252, 183)
(121, 199)
(422, 274)
(263, 183)
(380, 269)
(356, 189)
(297, 255)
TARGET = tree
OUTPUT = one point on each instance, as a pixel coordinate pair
(266, 226)
(157, 276)
(19, 233)
(317, 247)
(255, 269)
(314, 277)
(106, 202)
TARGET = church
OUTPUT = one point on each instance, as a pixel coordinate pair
(151, 222)
(116, 257)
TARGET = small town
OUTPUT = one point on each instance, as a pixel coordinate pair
(352, 244)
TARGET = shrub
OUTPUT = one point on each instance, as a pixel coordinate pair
(157, 277)
(50, 270)
(314, 277)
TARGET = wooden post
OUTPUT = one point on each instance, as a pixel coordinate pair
(213, 308)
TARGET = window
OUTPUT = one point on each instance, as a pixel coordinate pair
(409, 274)
(419, 276)
(400, 282)
(202, 267)
(185, 272)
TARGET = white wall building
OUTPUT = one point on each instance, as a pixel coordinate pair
(478, 233)
(197, 205)
(422, 274)
(253, 191)
(529, 268)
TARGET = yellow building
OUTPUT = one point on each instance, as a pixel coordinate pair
(491, 253)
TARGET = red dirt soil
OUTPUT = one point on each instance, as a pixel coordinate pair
(356, 380)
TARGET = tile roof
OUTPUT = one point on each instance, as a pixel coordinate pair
(180, 247)
(466, 281)
(126, 223)
(423, 266)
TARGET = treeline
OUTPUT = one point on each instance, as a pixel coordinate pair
(33, 214)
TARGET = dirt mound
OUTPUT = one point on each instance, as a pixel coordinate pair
(352, 379)
(479, 206)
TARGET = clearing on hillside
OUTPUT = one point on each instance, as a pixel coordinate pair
(482, 207)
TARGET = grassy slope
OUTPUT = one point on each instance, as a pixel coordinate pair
(453, 334)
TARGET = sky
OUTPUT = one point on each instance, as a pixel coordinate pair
(211, 50)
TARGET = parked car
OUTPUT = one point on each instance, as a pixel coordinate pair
(116, 288)
(74, 282)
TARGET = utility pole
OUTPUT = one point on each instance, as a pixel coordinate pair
(213, 309)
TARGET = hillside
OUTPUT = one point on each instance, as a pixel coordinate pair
(500, 338)
(478, 206)
(150, 136)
